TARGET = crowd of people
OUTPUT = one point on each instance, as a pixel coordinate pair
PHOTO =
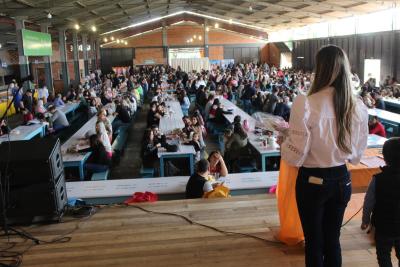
(255, 87)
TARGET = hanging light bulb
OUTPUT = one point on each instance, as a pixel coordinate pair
(230, 21)
(112, 38)
(94, 29)
(216, 25)
(77, 27)
(207, 29)
(118, 41)
(200, 37)
(105, 40)
(250, 8)
(195, 36)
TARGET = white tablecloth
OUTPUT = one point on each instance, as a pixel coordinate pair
(173, 117)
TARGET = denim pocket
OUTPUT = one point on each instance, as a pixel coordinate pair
(345, 190)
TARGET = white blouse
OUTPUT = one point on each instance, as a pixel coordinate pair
(312, 133)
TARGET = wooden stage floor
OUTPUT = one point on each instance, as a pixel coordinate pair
(126, 236)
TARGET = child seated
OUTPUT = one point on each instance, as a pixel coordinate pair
(195, 142)
(383, 202)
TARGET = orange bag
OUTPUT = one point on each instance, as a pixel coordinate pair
(291, 232)
(220, 191)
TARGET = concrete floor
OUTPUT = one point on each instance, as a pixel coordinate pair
(130, 163)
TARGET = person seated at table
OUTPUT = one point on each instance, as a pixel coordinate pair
(198, 184)
(58, 119)
(153, 117)
(198, 147)
(210, 101)
(58, 102)
(161, 109)
(188, 129)
(213, 109)
(382, 202)
(43, 94)
(219, 119)
(201, 98)
(198, 127)
(130, 103)
(104, 138)
(71, 95)
(122, 112)
(379, 103)
(235, 144)
(102, 116)
(99, 160)
(159, 137)
(282, 108)
(149, 150)
(217, 164)
(184, 101)
(92, 110)
(376, 127)
(40, 107)
(4, 127)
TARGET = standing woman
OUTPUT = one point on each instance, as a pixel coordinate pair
(327, 128)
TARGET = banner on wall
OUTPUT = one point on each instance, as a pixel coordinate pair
(36, 43)
(224, 63)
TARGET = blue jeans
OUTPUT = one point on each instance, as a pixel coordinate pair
(321, 209)
(384, 247)
(247, 106)
(58, 128)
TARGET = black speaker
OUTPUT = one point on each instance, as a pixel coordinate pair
(32, 178)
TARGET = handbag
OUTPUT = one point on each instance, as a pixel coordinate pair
(220, 191)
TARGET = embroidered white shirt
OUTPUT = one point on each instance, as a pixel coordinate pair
(312, 132)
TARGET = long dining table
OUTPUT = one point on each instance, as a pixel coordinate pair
(76, 159)
(256, 141)
(170, 121)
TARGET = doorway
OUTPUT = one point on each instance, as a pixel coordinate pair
(372, 69)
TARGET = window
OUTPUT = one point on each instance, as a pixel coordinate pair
(372, 69)
(342, 27)
(375, 22)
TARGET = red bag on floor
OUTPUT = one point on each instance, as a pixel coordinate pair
(142, 197)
